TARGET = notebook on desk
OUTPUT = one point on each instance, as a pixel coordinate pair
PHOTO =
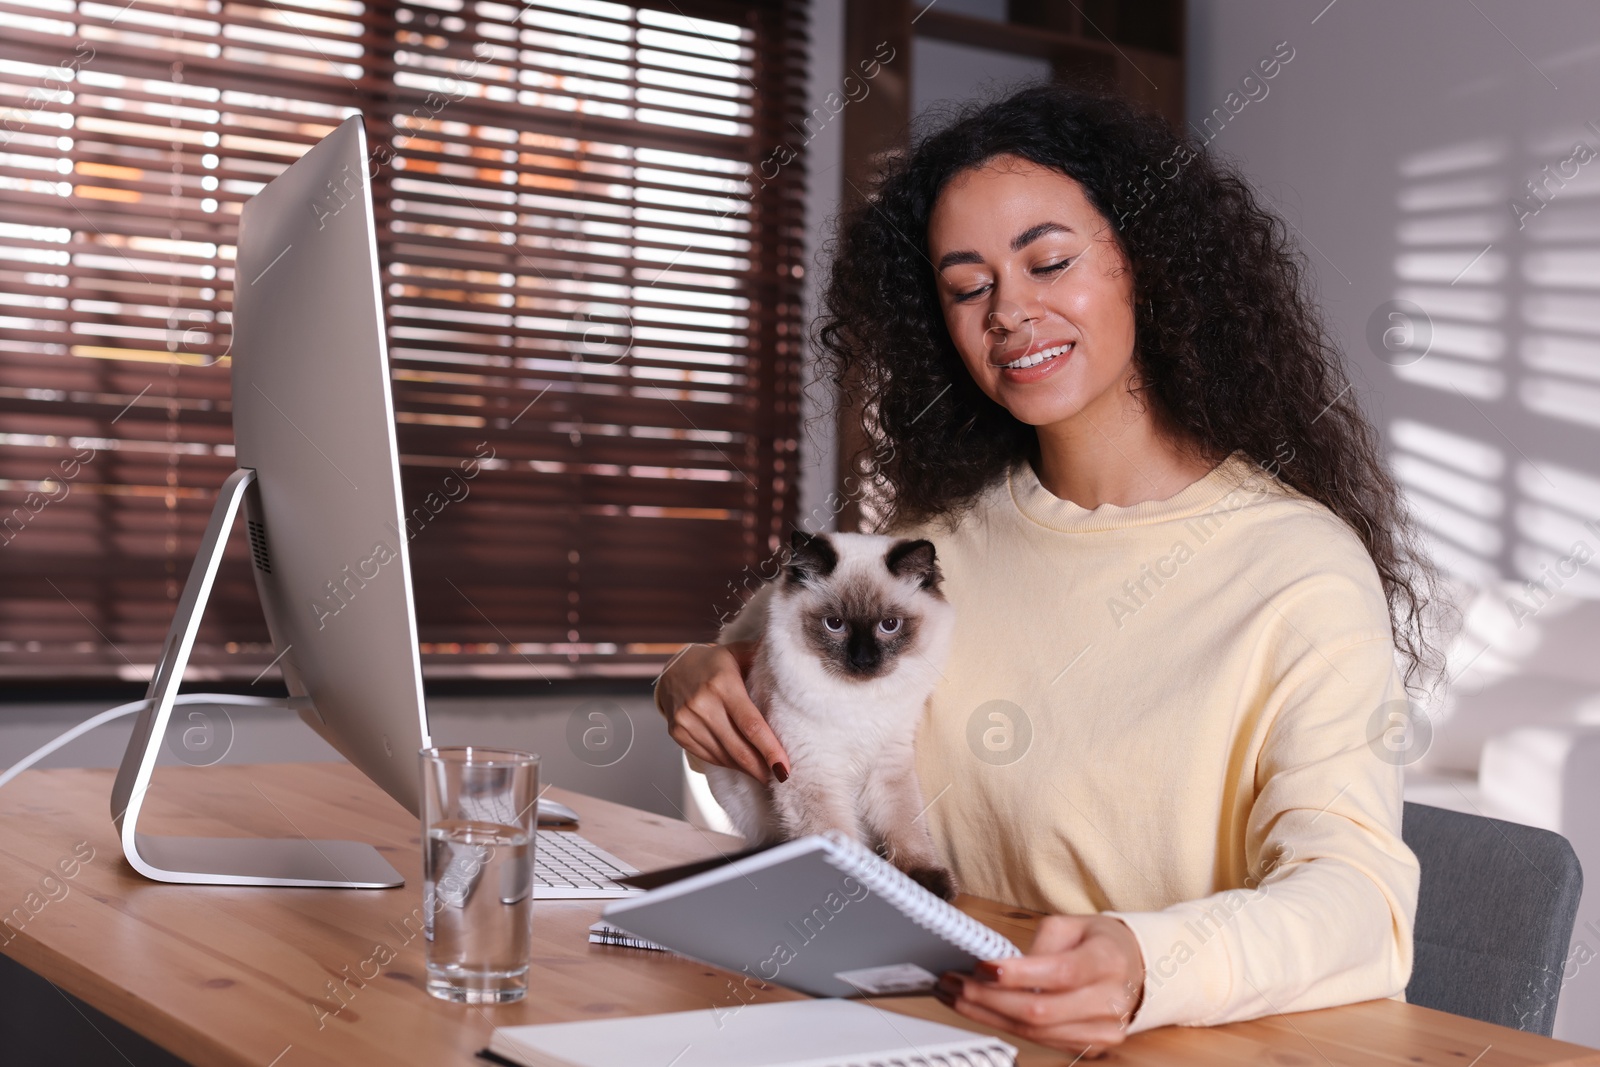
(821, 914)
(796, 1033)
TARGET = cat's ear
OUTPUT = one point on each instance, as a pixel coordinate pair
(915, 559)
(810, 556)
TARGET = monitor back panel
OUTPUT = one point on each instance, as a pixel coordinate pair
(312, 414)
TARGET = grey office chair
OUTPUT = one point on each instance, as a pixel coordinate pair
(1494, 916)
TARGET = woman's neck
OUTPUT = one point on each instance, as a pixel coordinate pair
(1122, 460)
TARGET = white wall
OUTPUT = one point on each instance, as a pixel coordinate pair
(1395, 142)
(647, 773)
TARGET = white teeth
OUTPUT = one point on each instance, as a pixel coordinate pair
(1037, 358)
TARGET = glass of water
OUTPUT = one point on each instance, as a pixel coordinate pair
(478, 819)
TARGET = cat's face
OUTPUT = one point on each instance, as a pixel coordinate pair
(861, 600)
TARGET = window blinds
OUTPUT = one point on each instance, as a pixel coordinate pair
(593, 290)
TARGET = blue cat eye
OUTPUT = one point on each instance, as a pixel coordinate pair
(834, 624)
(889, 626)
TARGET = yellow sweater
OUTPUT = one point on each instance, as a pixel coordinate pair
(1163, 712)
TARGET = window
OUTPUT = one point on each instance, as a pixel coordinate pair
(592, 267)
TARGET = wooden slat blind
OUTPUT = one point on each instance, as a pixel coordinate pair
(593, 291)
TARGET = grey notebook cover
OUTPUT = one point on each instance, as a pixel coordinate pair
(821, 914)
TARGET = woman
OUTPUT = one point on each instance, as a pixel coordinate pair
(1180, 572)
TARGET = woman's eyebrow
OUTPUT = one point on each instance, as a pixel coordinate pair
(1018, 243)
(1033, 233)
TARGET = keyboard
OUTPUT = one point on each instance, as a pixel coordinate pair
(567, 866)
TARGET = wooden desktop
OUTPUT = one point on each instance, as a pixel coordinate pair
(262, 977)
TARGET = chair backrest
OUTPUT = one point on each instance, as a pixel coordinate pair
(1494, 916)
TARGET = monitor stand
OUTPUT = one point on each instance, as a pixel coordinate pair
(220, 860)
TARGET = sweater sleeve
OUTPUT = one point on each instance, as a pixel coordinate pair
(1325, 914)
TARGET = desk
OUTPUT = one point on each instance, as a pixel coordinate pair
(252, 977)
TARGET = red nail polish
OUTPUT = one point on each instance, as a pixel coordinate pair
(780, 772)
(987, 970)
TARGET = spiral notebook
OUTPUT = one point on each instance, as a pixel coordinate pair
(603, 933)
(796, 1033)
(821, 914)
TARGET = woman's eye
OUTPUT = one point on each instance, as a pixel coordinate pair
(834, 624)
(889, 626)
(1043, 272)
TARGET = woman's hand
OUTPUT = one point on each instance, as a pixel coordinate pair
(709, 712)
(1075, 990)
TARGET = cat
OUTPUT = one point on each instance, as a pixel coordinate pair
(854, 633)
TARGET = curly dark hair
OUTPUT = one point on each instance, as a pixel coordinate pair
(1230, 353)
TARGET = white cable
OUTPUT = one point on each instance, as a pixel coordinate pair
(128, 709)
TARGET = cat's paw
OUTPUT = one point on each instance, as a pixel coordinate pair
(936, 880)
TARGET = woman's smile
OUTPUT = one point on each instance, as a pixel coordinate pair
(1037, 362)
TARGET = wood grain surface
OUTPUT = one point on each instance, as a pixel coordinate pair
(270, 977)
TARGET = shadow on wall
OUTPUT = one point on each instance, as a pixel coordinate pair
(1496, 307)
(1496, 311)
(1492, 335)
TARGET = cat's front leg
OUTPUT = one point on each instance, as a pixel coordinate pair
(894, 810)
(805, 805)
(747, 803)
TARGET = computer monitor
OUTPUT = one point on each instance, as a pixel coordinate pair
(319, 480)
